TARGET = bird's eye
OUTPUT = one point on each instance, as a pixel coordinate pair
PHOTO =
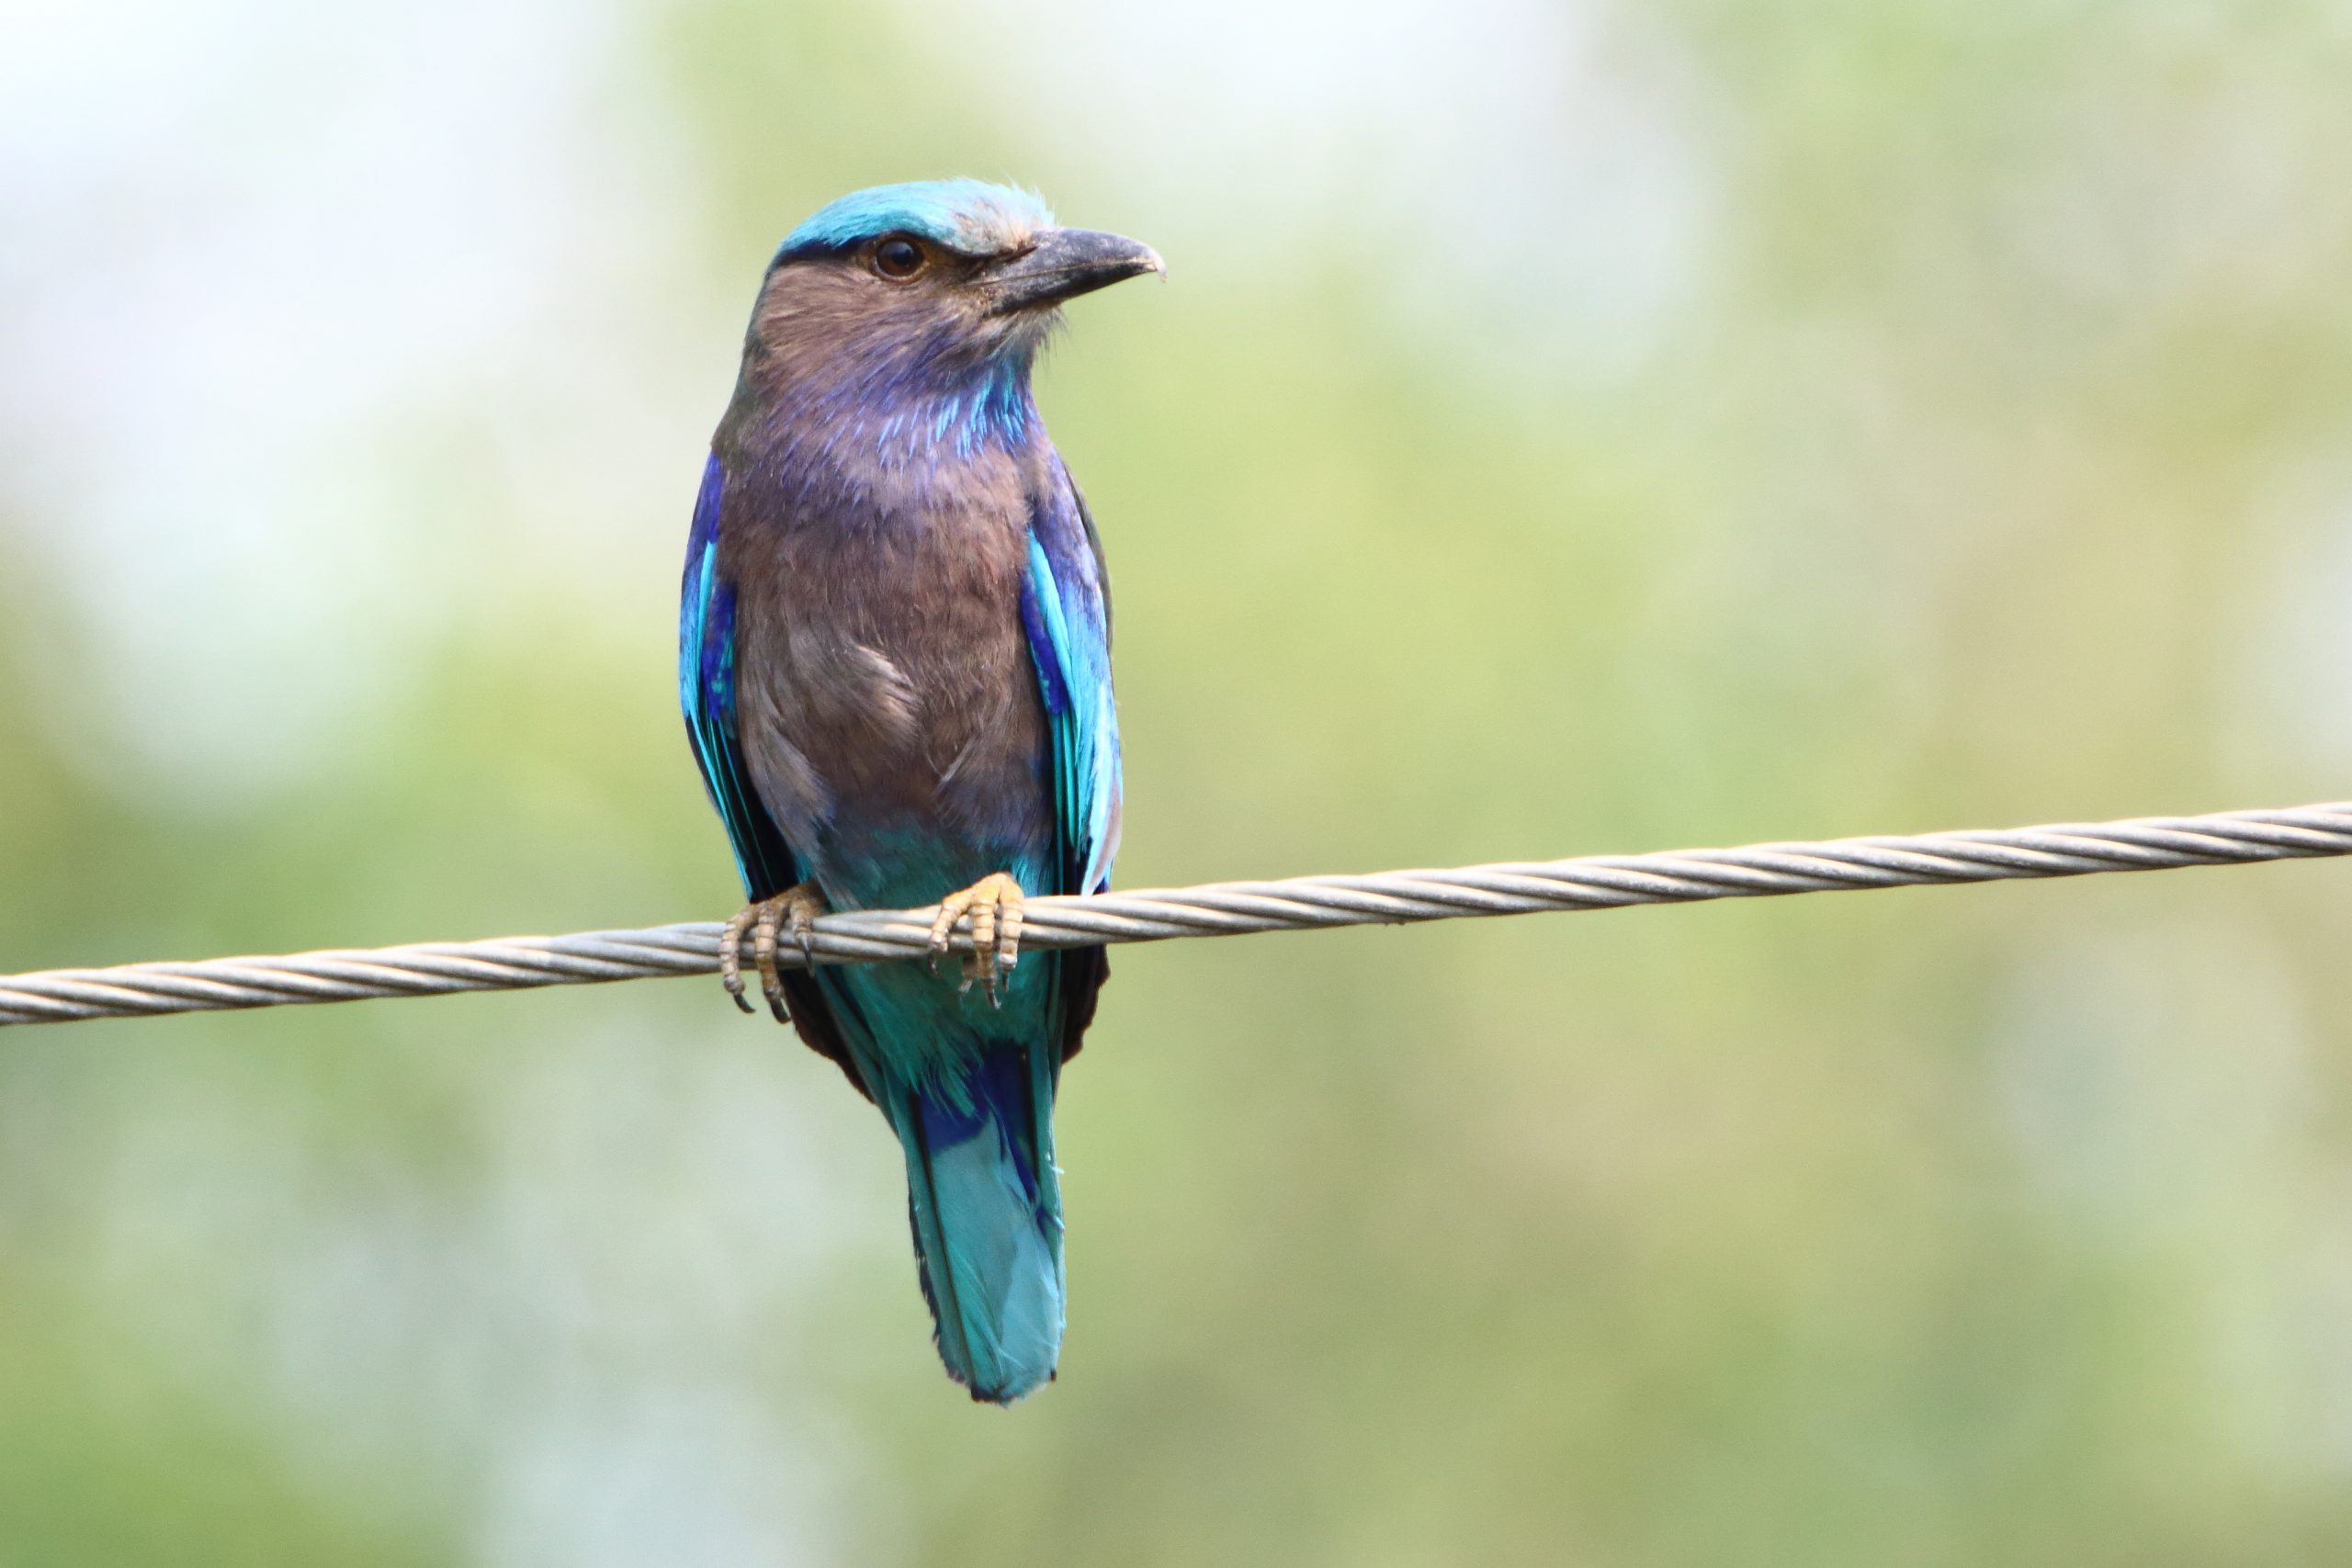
(898, 258)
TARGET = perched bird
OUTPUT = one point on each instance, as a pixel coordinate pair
(893, 658)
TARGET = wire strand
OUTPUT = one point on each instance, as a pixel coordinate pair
(1222, 908)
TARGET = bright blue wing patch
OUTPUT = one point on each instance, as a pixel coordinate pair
(706, 697)
(1064, 610)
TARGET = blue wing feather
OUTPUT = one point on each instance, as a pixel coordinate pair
(1066, 611)
(707, 696)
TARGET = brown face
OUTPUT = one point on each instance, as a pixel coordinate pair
(896, 295)
(900, 293)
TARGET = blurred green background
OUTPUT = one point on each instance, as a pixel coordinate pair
(1574, 429)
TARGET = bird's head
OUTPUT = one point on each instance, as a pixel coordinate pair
(944, 276)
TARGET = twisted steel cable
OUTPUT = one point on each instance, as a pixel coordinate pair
(1222, 909)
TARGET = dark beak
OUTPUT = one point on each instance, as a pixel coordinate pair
(1063, 264)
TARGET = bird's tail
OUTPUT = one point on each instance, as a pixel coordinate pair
(985, 1203)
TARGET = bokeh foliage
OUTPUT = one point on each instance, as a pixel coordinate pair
(1987, 464)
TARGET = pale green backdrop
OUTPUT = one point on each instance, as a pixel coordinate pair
(1613, 427)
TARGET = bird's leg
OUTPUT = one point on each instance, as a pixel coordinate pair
(791, 911)
(993, 905)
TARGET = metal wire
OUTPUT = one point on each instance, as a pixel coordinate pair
(1224, 909)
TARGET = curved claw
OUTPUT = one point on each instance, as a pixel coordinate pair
(792, 913)
(992, 907)
(730, 954)
(763, 958)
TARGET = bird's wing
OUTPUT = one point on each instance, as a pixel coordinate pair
(707, 694)
(1066, 610)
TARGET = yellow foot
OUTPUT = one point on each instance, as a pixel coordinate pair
(792, 910)
(992, 907)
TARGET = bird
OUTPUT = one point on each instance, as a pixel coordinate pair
(894, 660)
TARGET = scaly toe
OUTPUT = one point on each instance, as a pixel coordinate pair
(992, 907)
(951, 909)
(791, 914)
(730, 957)
(1008, 931)
(998, 958)
(802, 909)
(763, 954)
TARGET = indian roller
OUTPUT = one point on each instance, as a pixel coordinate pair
(894, 656)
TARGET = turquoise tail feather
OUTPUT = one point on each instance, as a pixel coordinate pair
(985, 1205)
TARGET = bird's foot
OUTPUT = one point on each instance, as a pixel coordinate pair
(992, 907)
(791, 913)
